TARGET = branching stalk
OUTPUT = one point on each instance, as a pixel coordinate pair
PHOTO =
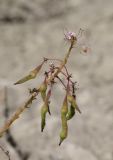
(33, 96)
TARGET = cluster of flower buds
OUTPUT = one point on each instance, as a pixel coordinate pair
(51, 77)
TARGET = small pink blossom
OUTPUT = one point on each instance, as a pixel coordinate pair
(69, 35)
(81, 42)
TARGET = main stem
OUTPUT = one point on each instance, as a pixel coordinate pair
(62, 64)
(33, 96)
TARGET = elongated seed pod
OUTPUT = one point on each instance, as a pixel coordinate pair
(31, 75)
(47, 102)
(64, 130)
(72, 101)
(43, 89)
(71, 112)
(44, 110)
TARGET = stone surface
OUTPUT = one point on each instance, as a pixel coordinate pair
(30, 30)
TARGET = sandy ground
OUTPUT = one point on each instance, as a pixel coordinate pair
(30, 30)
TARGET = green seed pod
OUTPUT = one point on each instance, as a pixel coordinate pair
(72, 100)
(43, 89)
(64, 111)
(44, 110)
(64, 131)
(64, 108)
(70, 113)
(31, 75)
(47, 102)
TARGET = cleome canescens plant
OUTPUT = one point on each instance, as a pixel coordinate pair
(55, 72)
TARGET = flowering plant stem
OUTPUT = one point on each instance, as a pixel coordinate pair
(33, 96)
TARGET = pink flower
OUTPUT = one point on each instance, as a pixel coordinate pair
(81, 42)
(69, 35)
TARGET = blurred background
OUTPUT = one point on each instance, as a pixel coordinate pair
(33, 29)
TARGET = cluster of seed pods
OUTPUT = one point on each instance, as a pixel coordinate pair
(69, 106)
(52, 77)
